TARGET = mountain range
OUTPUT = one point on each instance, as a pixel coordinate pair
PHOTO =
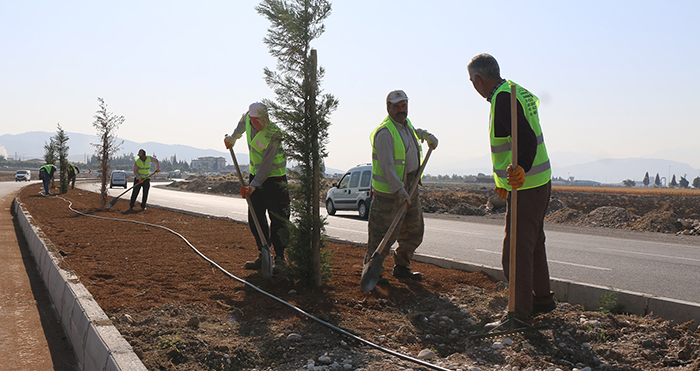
(580, 166)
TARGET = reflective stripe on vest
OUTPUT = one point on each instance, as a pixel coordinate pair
(256, 148)
(379, 182)
(47, 168)
(144, 168)
(541, 171)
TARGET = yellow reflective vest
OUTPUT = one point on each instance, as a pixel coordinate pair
(501, 147)
(379, 183)
(144, 167)
(257, 145)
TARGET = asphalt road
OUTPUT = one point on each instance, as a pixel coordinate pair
(650, 263)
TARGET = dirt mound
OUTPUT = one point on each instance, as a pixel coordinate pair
(178, 312)
(565, 215)
(223, 185)
(610, 216)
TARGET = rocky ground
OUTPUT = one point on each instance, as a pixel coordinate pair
(179, 313)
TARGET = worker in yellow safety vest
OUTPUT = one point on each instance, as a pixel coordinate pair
(142, 167)
(531, 176)
(396, 159)
(268, 189)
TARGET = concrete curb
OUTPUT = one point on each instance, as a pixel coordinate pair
(97, 343)
(589, 296)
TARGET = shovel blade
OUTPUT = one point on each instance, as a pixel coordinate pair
(112, 203)
(371, 272)
(266, 262)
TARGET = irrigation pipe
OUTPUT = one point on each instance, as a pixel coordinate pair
(298, 310)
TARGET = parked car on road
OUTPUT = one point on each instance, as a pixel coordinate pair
(118, 178)
(24, 175)
(352, 192)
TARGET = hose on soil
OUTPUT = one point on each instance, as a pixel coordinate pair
(298, 310)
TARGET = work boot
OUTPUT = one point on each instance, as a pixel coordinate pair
(253, 265)
(405, 272)
(279, 264)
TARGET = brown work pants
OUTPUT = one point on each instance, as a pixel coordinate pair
(531, 269)
(409, 231)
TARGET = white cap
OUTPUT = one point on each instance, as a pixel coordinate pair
(396, 96)
(255, 109)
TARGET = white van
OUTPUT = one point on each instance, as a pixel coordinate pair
(118, 178)
(352, 192)
(24, 175)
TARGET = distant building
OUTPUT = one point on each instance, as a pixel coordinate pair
(208, 163)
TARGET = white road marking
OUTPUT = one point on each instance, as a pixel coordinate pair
(346, 230)
(454, 231)
(554, 261)
(648, 254)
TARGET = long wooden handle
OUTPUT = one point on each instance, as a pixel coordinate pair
(513, 196)
(383, 244)
(263, 239)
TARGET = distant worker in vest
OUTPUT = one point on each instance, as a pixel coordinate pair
(142, 169)
(267, 187)
(46, 173)
(396, 158)
(531, 176)
(73, 172)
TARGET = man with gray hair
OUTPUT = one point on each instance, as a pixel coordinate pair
(396, 159)
(531, 176)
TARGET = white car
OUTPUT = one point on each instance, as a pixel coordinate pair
(24, 175)
(118, 178)
(352, 192)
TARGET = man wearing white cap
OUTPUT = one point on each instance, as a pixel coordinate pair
(396, 158)
(268, 181)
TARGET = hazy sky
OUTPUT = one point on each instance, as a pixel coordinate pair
(616, 79)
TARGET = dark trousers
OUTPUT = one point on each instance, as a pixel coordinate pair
(146, 185)
(45, 179)
(271, 198)
(408, 232)
(531, 270)
(71, 180)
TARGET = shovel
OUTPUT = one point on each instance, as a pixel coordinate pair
(114, 200)
(265, 257)
(373, 268)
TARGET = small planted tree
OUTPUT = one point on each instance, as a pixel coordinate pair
(696, 182)
(683, 183)
(61, 144)
(673, 181)
(106, 124)
(629, 183)
(303, 112)
(657, 181)
(646, 179)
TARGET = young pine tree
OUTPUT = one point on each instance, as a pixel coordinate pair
(61, 143)
(106, 124)
(303, 112)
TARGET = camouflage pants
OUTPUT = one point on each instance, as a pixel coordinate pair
(408, 233)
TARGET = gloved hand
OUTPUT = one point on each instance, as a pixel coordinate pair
(229, 141)
(403, 196)
(424, 135)
(502, 192)
(247, 191)
(432, 141)
(516, 177)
